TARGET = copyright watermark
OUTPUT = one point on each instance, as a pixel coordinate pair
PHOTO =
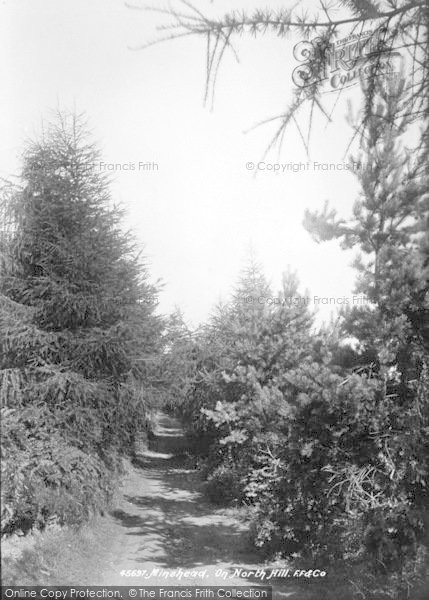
(343, 63)
(126, 166)
(356, 300)
(63, 169)
(295, 167)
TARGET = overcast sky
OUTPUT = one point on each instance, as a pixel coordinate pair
(200, 210)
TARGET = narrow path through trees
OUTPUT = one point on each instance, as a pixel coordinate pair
(163, 522)
(159, 523)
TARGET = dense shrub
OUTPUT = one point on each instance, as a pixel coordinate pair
(45, 479)
(223, 485)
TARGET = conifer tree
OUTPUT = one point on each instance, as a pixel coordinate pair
(78, 321)
(389, 227)
(238, 400)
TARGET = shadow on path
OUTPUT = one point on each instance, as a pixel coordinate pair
(163, 522)
(178, 527)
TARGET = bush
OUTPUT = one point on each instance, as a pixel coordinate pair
(224, 485)
(47, 480)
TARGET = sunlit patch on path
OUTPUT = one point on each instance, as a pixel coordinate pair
(162, 522)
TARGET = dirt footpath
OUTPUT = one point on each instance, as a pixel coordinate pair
(160, 523)
(163, 523)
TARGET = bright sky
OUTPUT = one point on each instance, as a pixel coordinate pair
(199, 212)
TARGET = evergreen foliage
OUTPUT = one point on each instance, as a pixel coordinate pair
(323, 439)
(76, 326)
(398, 25)
(389, 226)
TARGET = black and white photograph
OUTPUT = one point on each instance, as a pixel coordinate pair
(214, 299)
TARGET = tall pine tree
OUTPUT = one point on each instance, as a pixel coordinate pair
(77, 325)
(389, 227)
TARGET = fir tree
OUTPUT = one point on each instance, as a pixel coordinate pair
(78, 323)
(238, 401)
